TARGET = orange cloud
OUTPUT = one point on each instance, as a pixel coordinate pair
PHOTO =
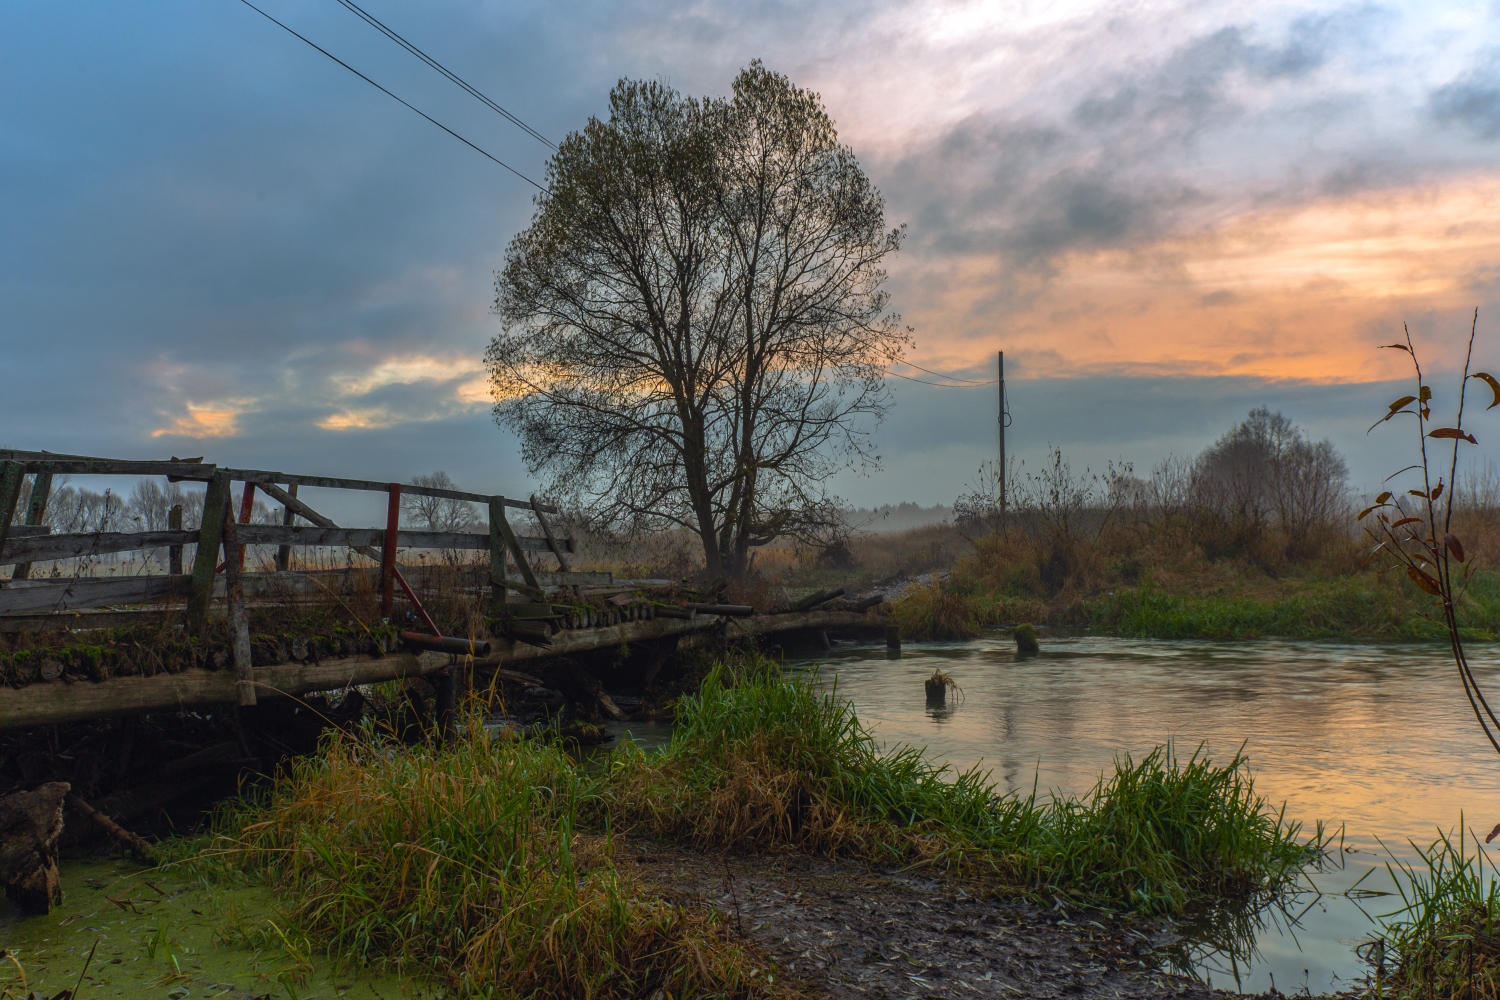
(1304, 292)
(202, 422)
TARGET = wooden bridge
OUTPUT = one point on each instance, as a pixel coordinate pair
(527, 619)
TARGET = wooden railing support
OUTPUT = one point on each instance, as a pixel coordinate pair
(36, 510)
(388, 552)
(541, 519)
(498, 599)
(210, 534)
(288, 518)
(239, 619)
(12, 476)
(247, 507)
(174, 552)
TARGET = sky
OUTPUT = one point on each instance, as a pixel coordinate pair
(215, 241)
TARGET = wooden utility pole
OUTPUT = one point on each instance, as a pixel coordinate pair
(1004, 419)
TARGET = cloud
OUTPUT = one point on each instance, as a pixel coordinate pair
(217, 231)
(1472, 100)
(202, 421)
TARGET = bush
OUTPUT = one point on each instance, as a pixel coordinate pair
(466, 863)
(933, 612)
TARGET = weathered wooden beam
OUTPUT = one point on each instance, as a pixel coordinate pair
(48, 703)
(541, 519)
(41, 548)
(333, 483)
(497, 518)
(174, 552)
(87, 465)
(36, 509)
(288, 518)
(12, 478)
(215, 502)
(34, 596)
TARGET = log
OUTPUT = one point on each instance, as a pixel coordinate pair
(30, 824)
(135, 844)
(47, 703)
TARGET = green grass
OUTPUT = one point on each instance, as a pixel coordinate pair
(1350, 607)
(466, 865)
(770, 760)
(1445, 939)
(1342, 608)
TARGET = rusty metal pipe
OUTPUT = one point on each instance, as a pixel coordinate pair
(446, 644)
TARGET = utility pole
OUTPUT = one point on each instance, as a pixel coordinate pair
(1004, 419)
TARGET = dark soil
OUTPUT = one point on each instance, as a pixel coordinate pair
(843, 930)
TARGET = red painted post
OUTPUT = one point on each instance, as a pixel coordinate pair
(247, 507)
(388, 554)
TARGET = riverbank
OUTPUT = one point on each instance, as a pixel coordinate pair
(1224, 605)
(497, 864)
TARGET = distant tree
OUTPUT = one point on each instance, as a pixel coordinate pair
(695, 329)
(438, 513)
(1267, 473)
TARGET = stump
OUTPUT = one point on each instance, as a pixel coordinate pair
(30, 823)
(1026, 639)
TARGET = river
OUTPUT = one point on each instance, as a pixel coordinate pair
(1376, 738)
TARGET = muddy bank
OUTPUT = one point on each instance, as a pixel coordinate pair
(840, 929)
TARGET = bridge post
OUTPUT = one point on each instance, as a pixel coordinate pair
(205, 564)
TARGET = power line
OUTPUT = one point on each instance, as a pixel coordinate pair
(393, 97)
(376, 23)
(940, 385)
(953, 378)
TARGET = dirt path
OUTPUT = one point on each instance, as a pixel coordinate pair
(851, 933)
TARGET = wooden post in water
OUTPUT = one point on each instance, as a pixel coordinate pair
(36, 510)
(893, 638)
(205, 564)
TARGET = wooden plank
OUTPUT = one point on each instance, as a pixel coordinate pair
(215, 502)
(42, 548)
(174, 552)
(29, 530)
(334, 483)
(12, 478)
(36, 509)
(47, 704)
(496, 544)
(373, 538)
(194, 472)
(34, 596)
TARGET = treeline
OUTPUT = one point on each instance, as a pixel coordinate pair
(1265, 497)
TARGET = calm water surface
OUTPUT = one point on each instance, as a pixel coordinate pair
(1378, 738)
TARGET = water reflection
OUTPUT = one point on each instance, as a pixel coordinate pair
(1375, 738)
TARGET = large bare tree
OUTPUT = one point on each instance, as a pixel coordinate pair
(695, 328)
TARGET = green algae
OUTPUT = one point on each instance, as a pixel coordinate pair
(165, 934)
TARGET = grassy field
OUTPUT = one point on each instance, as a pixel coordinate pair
(488, 866)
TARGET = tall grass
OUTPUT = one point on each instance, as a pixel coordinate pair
(466, 864)
(770, 760)
(1445, 939)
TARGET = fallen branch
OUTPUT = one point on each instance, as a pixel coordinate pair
(138, 845)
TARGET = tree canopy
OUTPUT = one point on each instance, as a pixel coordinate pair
(696, 331)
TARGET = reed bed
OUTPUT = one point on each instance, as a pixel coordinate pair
(466, 865)
(764, 760)
(1444, 941)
